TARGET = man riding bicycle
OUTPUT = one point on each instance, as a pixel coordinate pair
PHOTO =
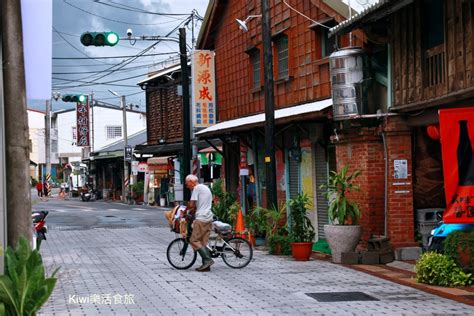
(199, 211)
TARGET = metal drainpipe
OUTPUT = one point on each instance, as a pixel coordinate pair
(385, 155)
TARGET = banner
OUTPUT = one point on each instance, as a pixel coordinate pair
(457, 139)
(203, 88)
(82, 119)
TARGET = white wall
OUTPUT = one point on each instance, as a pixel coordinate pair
(102, 117)
(36, 134)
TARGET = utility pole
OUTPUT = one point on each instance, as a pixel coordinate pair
(47, 143)
(16, 125)
(3, 195)
(125, 142)
(270, 167)
(186, 110)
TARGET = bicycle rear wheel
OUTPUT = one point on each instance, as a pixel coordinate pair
(180, 254)
(237, 253)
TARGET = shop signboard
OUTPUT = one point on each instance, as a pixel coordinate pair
(457, 135)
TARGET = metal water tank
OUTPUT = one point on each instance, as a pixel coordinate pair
(348, 78)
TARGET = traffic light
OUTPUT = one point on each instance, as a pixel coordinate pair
(74, 98)
(99, 38)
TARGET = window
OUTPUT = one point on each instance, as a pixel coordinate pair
(255, 61)
(54, 145)
(281, 45)
(74, 133)
(433, 23)
(328, 45)
(114, 132)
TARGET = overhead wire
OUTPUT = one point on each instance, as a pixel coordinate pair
(70, 44)
(113, 20)
(112, 57)
(135, 9)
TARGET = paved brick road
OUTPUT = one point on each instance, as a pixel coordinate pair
(128, 265)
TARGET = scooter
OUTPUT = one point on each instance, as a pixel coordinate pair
(439, 234)
(40, 228)
(89, 195)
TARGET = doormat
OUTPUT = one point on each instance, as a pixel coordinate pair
(322, 246)
(341, 296)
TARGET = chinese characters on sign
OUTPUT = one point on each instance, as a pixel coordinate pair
(400, 169)
(204, 92)
(82, 120)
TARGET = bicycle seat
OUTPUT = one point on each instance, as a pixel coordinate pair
(221, 227)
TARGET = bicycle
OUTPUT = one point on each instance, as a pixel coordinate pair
(235, 251)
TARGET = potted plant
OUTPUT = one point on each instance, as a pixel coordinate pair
(343, 234)
(301, 229)
(256, 221)
(277, 231)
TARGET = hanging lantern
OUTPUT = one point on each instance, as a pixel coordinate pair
(433, 131)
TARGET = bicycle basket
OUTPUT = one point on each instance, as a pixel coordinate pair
(221, 227)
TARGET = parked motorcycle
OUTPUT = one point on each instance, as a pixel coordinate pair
(89, 194)
(40, 228)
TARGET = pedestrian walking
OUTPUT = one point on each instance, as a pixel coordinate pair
(45, 188)
(199, 211)
(39, 188)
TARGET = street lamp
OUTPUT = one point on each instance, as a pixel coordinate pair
(125, 140)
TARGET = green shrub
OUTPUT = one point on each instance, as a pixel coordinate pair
(463, 239)
(24, 288)
(34, 182)
(439, 269)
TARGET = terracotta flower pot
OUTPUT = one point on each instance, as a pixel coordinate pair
(301, 251)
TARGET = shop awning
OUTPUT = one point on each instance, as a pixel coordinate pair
(301, 112)
(159, 160)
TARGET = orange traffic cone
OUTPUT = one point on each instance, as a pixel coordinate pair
(239, 225)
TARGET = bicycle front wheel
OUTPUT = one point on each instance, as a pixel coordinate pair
(180, 254)
(237, 253)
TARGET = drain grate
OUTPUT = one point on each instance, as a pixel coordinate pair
(341, 296)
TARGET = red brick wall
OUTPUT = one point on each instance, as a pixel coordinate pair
(401, 226)
(309, 73)
(363, 149)
(365, 152)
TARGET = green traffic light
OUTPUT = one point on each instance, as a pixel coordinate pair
(112, 38)
(74, 98)
(99, 38)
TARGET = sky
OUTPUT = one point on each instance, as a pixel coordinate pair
(75, 71)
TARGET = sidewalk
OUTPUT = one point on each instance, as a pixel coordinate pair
(403, 273)
(114, 263)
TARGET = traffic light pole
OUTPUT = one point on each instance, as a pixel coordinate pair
(125, 142)
(186, 110)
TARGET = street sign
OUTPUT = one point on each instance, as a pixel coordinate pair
(128, 153)
(135, 167)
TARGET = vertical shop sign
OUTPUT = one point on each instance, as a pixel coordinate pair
(457, 137)
(82, 120)
(204, 89)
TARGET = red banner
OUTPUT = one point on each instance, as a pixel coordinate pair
(82, 119)
(457, 139)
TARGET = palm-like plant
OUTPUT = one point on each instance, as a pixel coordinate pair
(341, 210)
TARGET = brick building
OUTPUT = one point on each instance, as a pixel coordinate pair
(429, 48)
(301, 77)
